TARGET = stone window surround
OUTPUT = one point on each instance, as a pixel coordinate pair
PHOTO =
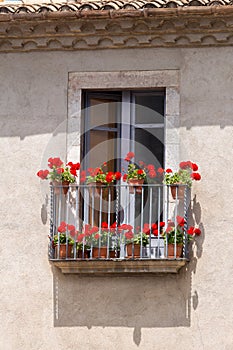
(168, 79)
(78, 81)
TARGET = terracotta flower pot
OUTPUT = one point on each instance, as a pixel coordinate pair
(113, 254)
(171, 250)
(133, 185)
(84, 255)
(56, 187)
(95, 188)
(99, 253)
(62, 251)
(177, 192)
(65, 186)
(130, 250)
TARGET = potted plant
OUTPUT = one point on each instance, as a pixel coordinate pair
(174, 237)
(134, 241)
(59, 174)
(180, 179)
(99, 178)
(82, 246)
(62, 241)
(135, 176)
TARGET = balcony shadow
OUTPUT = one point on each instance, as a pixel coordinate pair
(138, 302)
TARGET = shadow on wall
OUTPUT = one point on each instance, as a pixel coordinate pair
(154, 301)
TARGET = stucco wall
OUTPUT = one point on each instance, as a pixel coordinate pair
(42, 309)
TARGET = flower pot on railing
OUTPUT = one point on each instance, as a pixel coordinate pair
(133, 250)
(56, 187)
(135, 185)
(99, 252)
(65, 186)
(171, 251)
(83, 254)
(114, 254)
(95, 188)
(62, 251)
(177, 191)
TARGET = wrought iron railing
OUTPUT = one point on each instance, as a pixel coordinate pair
(118, 222)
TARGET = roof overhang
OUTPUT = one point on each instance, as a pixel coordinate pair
(70, 26)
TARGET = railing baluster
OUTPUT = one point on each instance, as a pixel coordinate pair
(150, 218)
(142, 214)
(158, 220)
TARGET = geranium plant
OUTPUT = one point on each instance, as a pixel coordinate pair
(133, 172)
(59, 171)
(175, 231)
(66, 232)
(101, 176)
(185, 175)
(134, 237)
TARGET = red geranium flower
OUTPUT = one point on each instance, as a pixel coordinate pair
(60, 171)
(190, 230)
(86, 229)
(185, 165)
(54, 162)
(140, 171)
(194, 167)
(180, 220)
(168, 170)
(196, 176)
(169, 229)
(152, 174)
(124, 177)
(109, 177)
(129, 235)
(154, 226)
(162, 224)
(62, 227)
(197, 231)
(94, 229)
(150, 167)
(43, 174)
(104, 224)
(80, 237)
(117, 175)
(156, 232)
(129, 156)
(160, 171)
(146, 229)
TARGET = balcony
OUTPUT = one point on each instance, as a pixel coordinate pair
(118, 229)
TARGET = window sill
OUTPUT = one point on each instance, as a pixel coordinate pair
(119, 267)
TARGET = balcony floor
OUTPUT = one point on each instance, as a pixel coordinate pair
(119, 267)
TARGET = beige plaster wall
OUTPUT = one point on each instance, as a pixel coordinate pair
(42, 309)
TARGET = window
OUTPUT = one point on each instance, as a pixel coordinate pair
(114, 123)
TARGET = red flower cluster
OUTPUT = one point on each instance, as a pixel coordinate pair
(59, 172)
(64, 226)
(83, 176)
(193, 167)
(196, 176)
(43, 174)
(153, 228)
(129, 156)
(194, 231)
(73, 168)
(54, 162)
